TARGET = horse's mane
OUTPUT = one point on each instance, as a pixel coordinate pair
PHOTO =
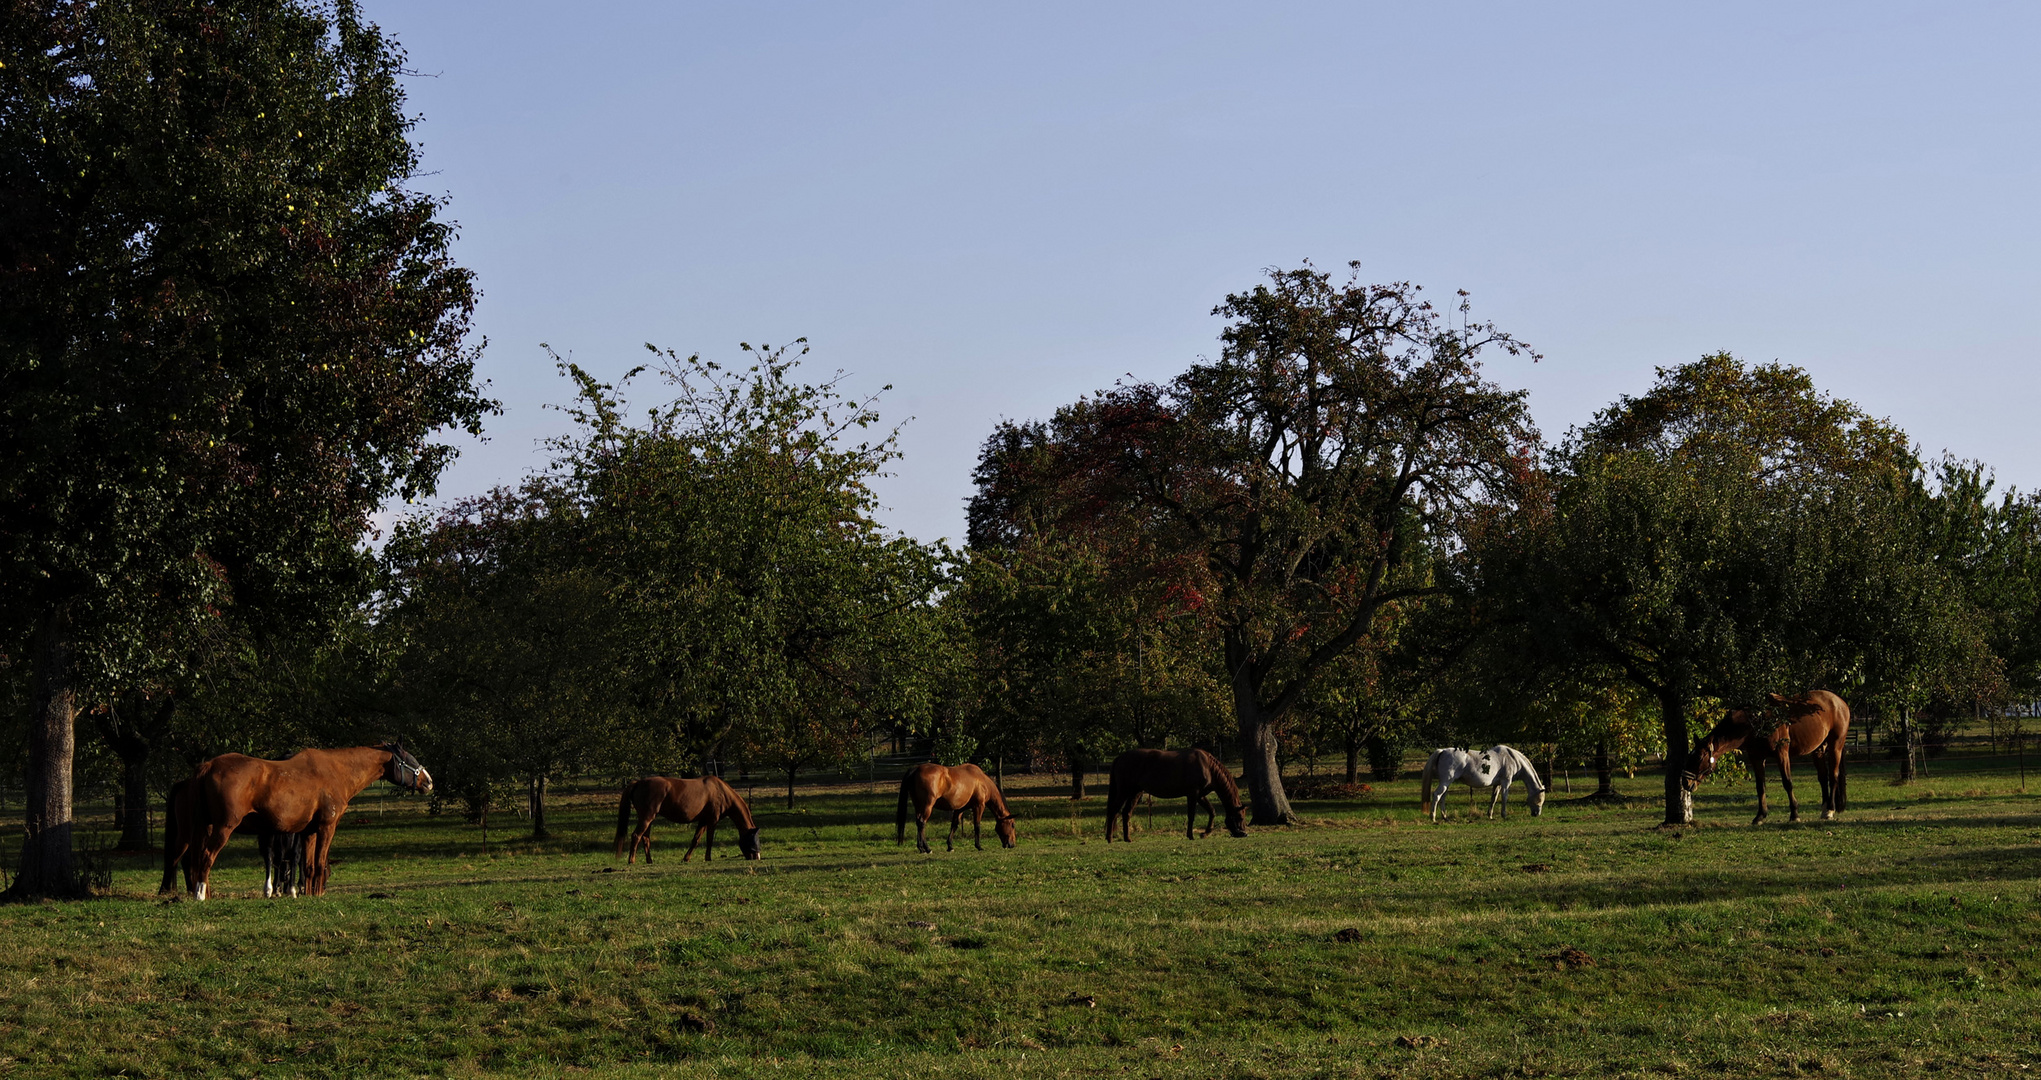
(1523, 761)
(1225, 775)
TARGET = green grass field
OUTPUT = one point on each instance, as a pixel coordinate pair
(1583, 943)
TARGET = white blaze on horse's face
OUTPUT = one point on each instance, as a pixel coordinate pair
(424, 781)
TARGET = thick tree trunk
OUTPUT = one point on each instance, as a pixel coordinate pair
(1258, 762)
(1076, 777)
(1605, 772)
(1353, 760)
(1679, 802)
(47, 865)
(536, 799)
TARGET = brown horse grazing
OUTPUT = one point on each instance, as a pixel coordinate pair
(956, 788)
(704, 802)
(1816, 722)
(306, 793)
(1169, 774)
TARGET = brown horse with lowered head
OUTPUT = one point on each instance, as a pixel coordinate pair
(1168, 774)
(958, 789)
(1816, 722)
(305, 793)
(703, 802)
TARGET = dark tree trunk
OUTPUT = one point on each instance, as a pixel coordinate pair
(47, 865)
(536, 799)
(1605, 772)
(1906, 737)
(1353, 758)
(132, 731)
(1258, 763)
(1076, 777)
(791, 770)
(1679, 802)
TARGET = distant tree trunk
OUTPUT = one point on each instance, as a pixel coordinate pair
(999, 772)
(1076, 776)
(1906, 737)
(1605, 772)
(1258, 754)
(1679, 802)
(47, 865)
(536, 797)
(1353, 757)
(132, 731)
(792, 768)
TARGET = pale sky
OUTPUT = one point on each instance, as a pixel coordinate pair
(997, 208)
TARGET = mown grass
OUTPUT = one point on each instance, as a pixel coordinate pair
(1581, 943)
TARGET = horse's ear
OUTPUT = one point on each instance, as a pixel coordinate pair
(1776, 699)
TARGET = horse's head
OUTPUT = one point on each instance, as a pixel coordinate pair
(1700, 764)
(747, 841)
(1536, 798)
(404, 770)
(1236, 821)
(1003, 826)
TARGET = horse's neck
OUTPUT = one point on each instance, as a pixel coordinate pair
(362, 766)
(734, 805)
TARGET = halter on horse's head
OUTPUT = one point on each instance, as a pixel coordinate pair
(404, 770)
(747, 841)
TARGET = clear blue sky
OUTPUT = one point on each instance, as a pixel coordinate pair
(999, 207)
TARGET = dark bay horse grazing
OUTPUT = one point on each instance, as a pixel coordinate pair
(704, 802)
(1168, 774)
(306, 793)
(1816, 722)
(957, 789)
(283, 854)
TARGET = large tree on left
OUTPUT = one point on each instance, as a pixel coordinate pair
(228, 331)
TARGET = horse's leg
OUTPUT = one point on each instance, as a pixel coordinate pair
(642, 837)
(319, 851)
(1786, 781)
(692, 842)
(217, 835)
(1205, 800)
(1824, 771)
(921, 816)
(1495, 793)
(1757, 772)
(709, 848)
(956, 822)
(977, 808)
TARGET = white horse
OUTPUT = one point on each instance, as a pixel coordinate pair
(1496, 768)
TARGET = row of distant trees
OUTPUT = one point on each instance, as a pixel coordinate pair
(231, 332)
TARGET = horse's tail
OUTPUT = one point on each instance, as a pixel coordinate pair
(624, 815)
(1113, 790)
(900, 812)
(1424, 793)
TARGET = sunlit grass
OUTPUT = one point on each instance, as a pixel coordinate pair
(1584, 942)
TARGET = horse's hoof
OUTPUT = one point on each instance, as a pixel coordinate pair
(1828, 815)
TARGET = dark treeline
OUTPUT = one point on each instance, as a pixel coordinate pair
(231, 332)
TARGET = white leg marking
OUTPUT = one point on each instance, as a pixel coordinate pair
(201, 890)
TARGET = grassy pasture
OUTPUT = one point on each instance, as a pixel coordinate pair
(1898, 940)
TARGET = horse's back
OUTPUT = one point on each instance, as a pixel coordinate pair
(1165, 773)
(1815, 717)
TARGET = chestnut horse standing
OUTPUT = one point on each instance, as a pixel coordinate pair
(957, 789)
(305, 793)
(704, 802)
(1169, 774)
(1816, 722)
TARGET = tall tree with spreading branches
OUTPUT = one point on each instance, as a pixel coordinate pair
(1291, 482)
(228, 332)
